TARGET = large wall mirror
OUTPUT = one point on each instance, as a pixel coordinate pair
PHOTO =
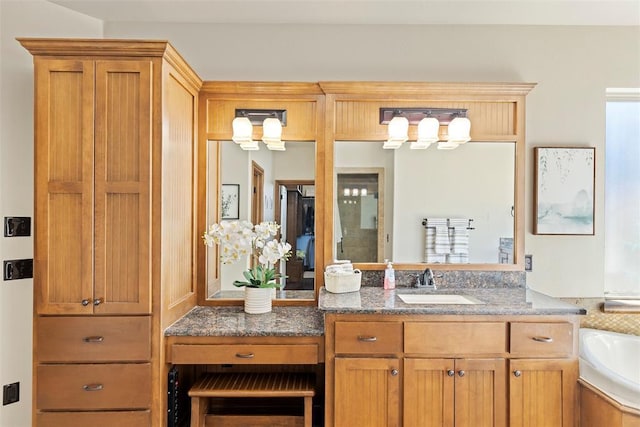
(258, 186)
(390, 203)
(262, 182)
(454, 209)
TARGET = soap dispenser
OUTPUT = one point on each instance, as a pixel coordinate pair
(389, 276)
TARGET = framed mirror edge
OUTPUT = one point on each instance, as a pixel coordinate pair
(325, 95)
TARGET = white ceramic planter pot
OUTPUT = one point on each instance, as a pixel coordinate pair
(257, 300)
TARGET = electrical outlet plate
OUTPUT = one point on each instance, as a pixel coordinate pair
(528, 263)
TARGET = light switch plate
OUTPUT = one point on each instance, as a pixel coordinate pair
(16, 226)
(18, 269)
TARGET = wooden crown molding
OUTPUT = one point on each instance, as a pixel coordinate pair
(415, 89)
(261, 88)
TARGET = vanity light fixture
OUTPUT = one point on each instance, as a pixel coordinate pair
(398, 131)
(271, 122)
(429, 121)
(355, 192)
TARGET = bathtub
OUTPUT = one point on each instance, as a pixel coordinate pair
(610, 362)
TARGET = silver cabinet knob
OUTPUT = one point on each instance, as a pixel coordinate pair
(97, 301)
(85, 302)
(451, 372)
(517, 373)
(461, 373)
(394, 372)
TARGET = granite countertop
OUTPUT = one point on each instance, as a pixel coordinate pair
(283, 321)
(496, 301)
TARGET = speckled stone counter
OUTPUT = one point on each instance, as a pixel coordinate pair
(283, 321)
(498, 301)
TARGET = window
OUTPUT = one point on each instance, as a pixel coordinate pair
(622, 192)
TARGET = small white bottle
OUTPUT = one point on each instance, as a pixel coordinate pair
(389, 277)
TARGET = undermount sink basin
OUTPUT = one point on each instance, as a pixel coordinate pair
(438, 299)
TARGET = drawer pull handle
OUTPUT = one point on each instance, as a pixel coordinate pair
(394, 372)
(92, 387)
(451, 372)
(461, 373)
(245, 355)
(367, 338)
(517, 373)
(543, 339)
(93, 339)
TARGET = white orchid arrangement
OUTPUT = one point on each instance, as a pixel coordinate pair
(240, 238)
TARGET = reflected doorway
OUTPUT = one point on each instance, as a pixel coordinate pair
(359, 219)
(295, 211)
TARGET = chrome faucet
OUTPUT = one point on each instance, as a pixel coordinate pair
(426, 279)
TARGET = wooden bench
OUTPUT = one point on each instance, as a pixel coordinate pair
(243, 385)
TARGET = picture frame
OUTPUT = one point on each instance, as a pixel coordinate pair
(230, 201)
(564, 190)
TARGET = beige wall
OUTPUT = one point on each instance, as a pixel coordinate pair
(22, 19)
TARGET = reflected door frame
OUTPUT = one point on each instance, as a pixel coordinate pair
(379, 172)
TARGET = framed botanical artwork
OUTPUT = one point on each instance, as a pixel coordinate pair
(230, 201)
(564, 183)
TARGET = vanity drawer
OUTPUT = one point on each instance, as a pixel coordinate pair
(93, 339)
(94, 419)
(446, 339)
(541, 339)
(264, 354)
(368, 337)
(94, 387)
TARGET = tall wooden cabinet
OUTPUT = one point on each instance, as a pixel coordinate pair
(114, 259)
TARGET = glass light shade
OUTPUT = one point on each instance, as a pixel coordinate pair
(363, 192)
(242, 130)
(447, 145)
(418, 145)
(459, 130)
(428, 131)
(347, 192)
(276, 146)
(249, 145)
(398, 129)
(271, 130)
(355, 192)
(392, 145)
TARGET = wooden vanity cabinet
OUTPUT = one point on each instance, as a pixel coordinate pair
(493, 371)
(115, 127)
(543, 375)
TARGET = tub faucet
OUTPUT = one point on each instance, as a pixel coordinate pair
(426, 279)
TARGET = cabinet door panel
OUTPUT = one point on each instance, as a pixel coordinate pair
(64, 186)
(366, 392)
(543, 393)
(123, 186)
(480, 393)
(428, 393)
